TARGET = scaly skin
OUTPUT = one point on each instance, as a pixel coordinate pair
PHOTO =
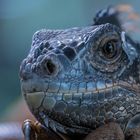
(76, 80)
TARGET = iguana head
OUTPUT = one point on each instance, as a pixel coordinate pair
(69, 76)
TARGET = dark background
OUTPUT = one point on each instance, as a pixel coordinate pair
(19, 19)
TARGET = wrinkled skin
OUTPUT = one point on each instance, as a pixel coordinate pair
(78, 79)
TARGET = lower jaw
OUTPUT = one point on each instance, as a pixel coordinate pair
(38, 102)
(59, 126)
(35, 103)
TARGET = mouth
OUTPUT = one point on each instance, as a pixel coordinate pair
(48, 98)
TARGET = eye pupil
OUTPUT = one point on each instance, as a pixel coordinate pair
(109, 49)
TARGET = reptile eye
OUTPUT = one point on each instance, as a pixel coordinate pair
(109, 50)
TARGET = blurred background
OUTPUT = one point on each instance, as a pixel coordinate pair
(19, 19)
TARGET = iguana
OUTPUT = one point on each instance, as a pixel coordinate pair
(81, 79)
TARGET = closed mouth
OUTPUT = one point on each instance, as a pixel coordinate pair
(36, 99)
(49, 97)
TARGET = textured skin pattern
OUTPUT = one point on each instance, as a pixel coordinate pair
(72, 86)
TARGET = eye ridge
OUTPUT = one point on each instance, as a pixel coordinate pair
(109, 49)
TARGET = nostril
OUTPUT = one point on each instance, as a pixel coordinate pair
(50, 67)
